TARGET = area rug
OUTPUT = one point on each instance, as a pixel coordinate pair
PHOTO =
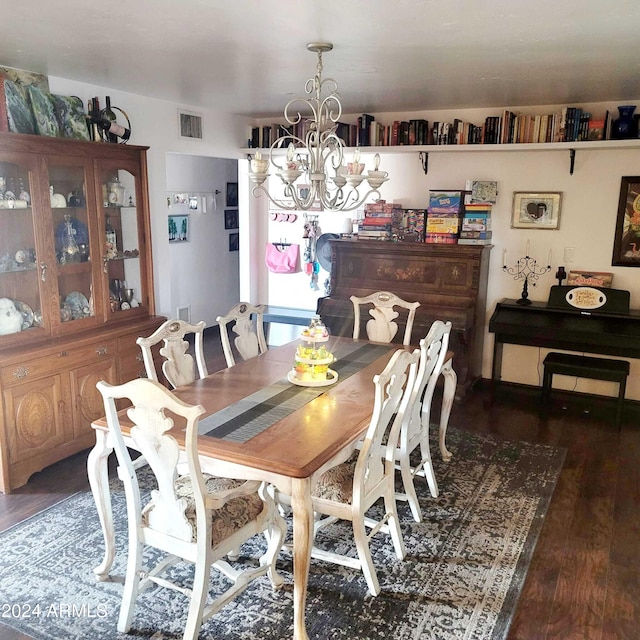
(465, 566)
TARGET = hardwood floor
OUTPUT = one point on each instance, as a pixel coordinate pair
(583, 582)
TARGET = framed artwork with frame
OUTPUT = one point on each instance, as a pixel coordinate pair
(230, 218)
(232, 194)
(626, 242)
(234, 242)
(540, 210)
(178, 228)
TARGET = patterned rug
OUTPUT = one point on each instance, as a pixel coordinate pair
(463, 574)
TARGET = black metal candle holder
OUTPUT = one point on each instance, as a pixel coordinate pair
(527, 270)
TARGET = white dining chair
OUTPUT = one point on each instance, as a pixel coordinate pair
(178, 366)
(382, 326)
(348, 490)
(414, 432)
(246, 320)
(195, 518)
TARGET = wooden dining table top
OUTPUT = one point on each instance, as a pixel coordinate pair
(299, 444)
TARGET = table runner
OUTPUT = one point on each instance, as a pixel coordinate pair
(250, 416)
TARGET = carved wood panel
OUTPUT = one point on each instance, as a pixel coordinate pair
(37, 411)
(86, 400)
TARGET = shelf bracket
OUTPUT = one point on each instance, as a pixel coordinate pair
(424, 159)
(572, 160)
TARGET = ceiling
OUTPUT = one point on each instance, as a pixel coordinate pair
(249, 56)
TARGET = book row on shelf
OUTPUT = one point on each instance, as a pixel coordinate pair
(569, 124)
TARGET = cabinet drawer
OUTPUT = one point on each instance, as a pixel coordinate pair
(45, 366)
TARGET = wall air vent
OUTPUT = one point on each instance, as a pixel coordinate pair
(190, 125)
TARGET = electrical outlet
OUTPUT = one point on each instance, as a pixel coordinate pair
(569, 254)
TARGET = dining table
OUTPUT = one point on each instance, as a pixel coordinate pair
(258, 425)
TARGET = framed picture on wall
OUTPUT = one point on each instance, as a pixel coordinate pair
(234, 242)
(232, 194)
(179, 228)
(626, 242)
(230, 218)
(536, 210)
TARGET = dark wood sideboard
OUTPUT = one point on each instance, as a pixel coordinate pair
(449, 281)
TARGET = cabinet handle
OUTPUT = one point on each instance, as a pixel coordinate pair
(63, 354)
(43, 268)
(102, 351)
(21, 372)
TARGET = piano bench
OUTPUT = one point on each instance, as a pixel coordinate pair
(568, 364)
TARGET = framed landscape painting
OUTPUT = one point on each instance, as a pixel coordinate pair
(178, 228)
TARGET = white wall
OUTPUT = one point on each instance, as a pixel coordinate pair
(207, 278)
(587, 222)
(155, 124)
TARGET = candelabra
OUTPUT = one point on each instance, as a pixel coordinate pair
(527, 270)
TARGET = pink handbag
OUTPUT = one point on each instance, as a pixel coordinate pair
(283, 260)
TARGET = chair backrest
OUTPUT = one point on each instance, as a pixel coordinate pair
(178, 366)
(249, 327)
(150, 401)
(433, 350)
(382, 328)
(378, 449)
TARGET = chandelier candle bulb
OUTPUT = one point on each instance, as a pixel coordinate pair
(549, 258)
(504, 259)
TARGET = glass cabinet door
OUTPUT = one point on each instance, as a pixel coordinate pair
(22, 280)
(124, 243)
(73, 228)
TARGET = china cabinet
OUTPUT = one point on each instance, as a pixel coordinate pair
(76, 291)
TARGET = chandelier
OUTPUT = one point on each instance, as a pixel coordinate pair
(317, 155)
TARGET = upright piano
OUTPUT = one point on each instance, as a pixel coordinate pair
(584, 319)
(449, 281)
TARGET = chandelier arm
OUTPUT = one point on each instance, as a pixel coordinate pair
(352, 200)
(280, 204)
(307, 104)
(282, 143)
(332, 107)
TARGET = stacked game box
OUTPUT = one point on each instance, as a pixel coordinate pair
(444, 216)
(476, 224)
(410, 228)
(379, 220)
